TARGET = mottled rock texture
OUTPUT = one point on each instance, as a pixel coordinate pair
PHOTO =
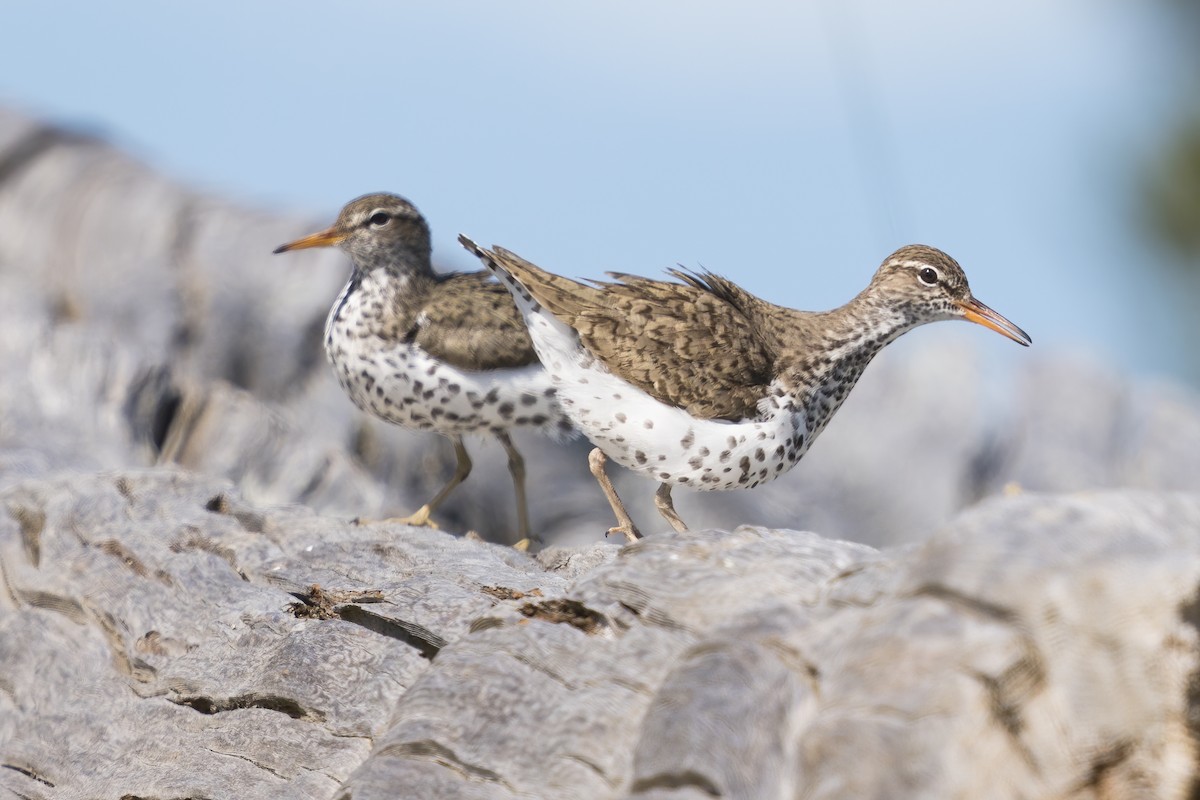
(187, 610)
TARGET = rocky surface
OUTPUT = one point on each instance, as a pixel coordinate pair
(186, 610)
(161, 638)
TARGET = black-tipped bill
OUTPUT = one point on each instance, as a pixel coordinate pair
(326, 238)
(978, 313)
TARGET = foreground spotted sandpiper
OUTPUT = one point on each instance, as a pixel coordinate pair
(704, 385)
(441, 352)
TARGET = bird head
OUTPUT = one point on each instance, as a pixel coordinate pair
(926, 285)
(375, 230)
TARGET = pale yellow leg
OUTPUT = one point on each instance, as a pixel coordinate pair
(625, 526)
(516, 467)
(421, 517)
(666, 507)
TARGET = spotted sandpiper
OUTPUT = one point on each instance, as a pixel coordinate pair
(702, 384)
(441, 352)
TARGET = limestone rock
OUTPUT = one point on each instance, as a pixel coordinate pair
(159, 637)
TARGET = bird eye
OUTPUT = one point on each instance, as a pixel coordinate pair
(928, 276)
(380, 218)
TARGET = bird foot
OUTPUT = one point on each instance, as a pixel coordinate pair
(419, 519)
(631, 533)
(528, 542)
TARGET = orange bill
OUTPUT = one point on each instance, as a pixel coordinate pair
(326, 238)
(977, 312)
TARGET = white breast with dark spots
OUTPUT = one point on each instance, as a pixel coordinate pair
(405, 385)
(665, 443)
(658, 440)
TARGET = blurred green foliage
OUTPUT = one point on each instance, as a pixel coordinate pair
(1172, 181)
(1173, 193)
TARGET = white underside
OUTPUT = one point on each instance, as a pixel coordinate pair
(652, 438)
(405, 385)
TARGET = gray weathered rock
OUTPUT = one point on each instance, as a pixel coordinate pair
(153, 644)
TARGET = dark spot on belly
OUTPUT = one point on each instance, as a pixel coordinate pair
(759, 455)
(695, 462)
(703, 451)
(725, 456)
(528, 399)
(621, 416)
(689, 439)
(505, 410)
(538, 419)
(649, 424)
(666, 476)
(745, 465)
(639, 457)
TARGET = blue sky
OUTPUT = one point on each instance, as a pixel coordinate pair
(789, 145)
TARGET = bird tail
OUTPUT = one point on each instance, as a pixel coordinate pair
(562, 297)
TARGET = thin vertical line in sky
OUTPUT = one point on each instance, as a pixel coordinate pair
(870, 134)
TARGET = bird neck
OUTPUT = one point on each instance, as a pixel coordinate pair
(398, 257)
(838, 346)
(390, 283)
(865, 325)
(392, 270)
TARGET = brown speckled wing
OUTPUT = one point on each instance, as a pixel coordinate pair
(470, 322)
(688, 345)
